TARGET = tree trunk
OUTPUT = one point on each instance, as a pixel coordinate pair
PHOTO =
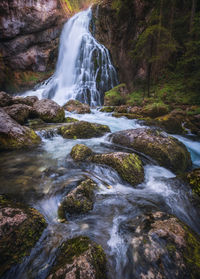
(149, 79)
(192, 14)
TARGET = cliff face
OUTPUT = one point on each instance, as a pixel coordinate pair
(29, 36)
(117, 28)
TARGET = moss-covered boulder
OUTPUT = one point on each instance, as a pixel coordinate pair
(28, 100)
(83, 130)
(161, 246)
(49, 111)
(79, 258)
(166, 150)
(70, 120)
(116, 96)
(193, 178)
(78, 201)
(129, 166)
(80, 152)
(20, 229)
(13, 135)
(77, 107)
(155, 110)
(5, 99)
(107, 109)
(19, 112)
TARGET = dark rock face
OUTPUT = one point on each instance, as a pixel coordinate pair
(83, 130)
(13, 135)
(159, 241)
(78, 201)
(20, 228)
(29, 100)
(79, 258)
(49, 111)
(117, 30)
(166, 150)
(77, 107)
(29, 34)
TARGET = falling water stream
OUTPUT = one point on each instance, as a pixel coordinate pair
(41, 177)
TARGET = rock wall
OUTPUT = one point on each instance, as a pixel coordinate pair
(117, 27)
(29, 36)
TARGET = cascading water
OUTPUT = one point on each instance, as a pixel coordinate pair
(84, 69)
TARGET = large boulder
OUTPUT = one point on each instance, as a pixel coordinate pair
(77, 107)
(155, 110)
(20, 229)
(78, 201)
(116, 96)
(19, 112)
(83, 130)
(166, 150)
(49, 111)
(79, 258)
(5, 99)
(160, 246)
(29, 100)
(129, 166)
(13, 135)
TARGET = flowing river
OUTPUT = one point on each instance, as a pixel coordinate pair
(41, 177)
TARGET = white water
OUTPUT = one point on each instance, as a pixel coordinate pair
(84, 70)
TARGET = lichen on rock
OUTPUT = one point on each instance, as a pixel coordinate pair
(79, 258)
(20, 229)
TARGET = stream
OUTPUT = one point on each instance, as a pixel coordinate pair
(42, 176)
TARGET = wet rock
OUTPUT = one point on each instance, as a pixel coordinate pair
(78, 201)
(20, 229)
(193, 178)
(129, 166)
(122, 109)
(77, 107)
(83, 130)
(29, 100)
(155, 110)
(79, 258)
(70, 120)
(5, 99)
(162, 247)
(19, 112)
(80, 152)
(13, 135)
(36, 122)
(107, 109)
(166, 150)
(49, 111)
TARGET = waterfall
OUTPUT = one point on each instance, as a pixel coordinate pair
(84, 69)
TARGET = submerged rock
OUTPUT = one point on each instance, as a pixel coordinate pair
(78, 201)
(20, 229)
(19, 112)
(5, 99)
(129, 166)
(77, 107)
(13, 135)
(49, 111)
(162, 247)
(166, 150)
(83, 130)
(79, 258)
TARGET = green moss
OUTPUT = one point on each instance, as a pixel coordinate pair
(80, 152)
(74, 248)
(17, 244)
(58, 118)
(70, 120)
(192, 252)
(115, 96)
(107, 109)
